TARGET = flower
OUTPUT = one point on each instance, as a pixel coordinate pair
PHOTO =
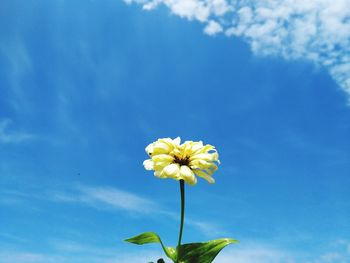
(170, 159)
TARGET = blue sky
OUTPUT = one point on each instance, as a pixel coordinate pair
(86, 85)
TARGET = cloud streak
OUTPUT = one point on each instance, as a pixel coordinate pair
(109, 198)
(61, 256)
(106, 199)
(66, 251)
(12, 137)
(317, 31)
(256, 253)
(19, 66)
(253, 252)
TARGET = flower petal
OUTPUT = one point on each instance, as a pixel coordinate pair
(149, 149)
(148, 164)
(172, 170)
(204, 176)
(177, 141)
(205, 149)
(159, 174)
(196, 146)
(160, 147)
(162, 158)
(160, 165)
(204, 156)
(187, 174)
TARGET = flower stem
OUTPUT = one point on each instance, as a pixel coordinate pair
(182, 190)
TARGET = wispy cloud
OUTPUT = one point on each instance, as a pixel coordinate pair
(66, 251)
(252, 252)
(12, 238)
(318, 31)
(28, 257)
(256, 253)
(115, 199)
(8, 136)
(61, 256)
(107, 197)
(338, 252)
(20, 65)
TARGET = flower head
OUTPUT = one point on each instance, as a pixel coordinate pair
(170, 159)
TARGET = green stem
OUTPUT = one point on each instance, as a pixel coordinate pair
(182, 190)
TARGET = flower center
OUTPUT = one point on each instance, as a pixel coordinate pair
(182, 161)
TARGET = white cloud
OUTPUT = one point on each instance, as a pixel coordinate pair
(115, 199)
(12, 137)
(337, 251)
(21, 257)
(255, 254)
(67, 251)
(107, 197)
(318, 31)
(332, 257)
(212, 28)
(61, 256)
(19, 65)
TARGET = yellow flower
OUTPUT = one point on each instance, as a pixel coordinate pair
(170, 159)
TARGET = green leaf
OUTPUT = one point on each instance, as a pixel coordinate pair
(204, 252)
(151, 237)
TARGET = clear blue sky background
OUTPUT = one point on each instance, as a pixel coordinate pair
(86, 85)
